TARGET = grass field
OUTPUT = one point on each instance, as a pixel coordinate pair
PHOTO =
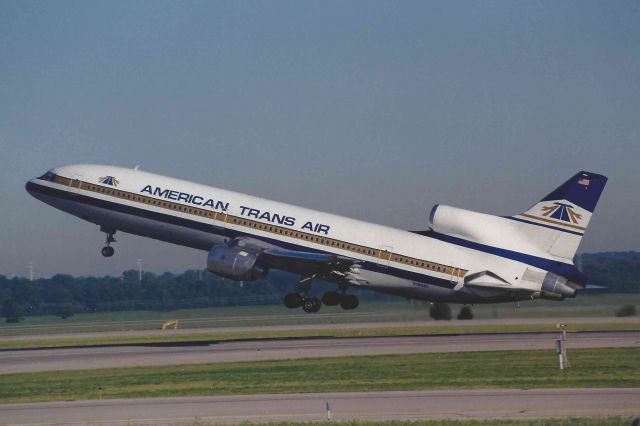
(213, 336)
(602, 421)
(503, 369)
(599, 306)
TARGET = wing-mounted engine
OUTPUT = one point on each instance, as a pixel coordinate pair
(234, 262)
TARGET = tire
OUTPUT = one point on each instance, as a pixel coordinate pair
(331, 298)
(292, 300)
(311, 305)
(349, 301)
(107, 251)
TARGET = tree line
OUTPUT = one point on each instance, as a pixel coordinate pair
(64, 295)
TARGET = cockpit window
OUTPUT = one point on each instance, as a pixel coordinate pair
(48, 176)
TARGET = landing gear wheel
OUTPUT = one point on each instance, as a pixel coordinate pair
(312, 304)
(331, 298)
(107, 251)
(349, 301)
(293, 300)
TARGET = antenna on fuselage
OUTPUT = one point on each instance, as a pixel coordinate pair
(136, 167)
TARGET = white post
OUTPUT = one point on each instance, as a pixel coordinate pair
(328, 412)
(563, 343)
(559, 352)
(564, 346)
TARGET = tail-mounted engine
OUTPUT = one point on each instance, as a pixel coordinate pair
(234, 263)
(555, 287)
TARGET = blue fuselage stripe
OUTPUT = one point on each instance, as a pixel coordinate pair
(559, 268)
(226, 232)
(566, 270)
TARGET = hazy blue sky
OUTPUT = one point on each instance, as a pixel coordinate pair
(375, 110)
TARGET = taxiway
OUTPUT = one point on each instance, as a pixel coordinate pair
(18, 361)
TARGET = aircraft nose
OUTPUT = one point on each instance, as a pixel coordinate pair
(31, 186)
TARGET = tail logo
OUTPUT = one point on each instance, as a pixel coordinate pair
(109, 180)
(561, 211)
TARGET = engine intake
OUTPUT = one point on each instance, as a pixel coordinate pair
(234, 263)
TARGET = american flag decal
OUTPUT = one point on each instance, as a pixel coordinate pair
(583, 182)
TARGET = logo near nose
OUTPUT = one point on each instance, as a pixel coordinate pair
(109, 180)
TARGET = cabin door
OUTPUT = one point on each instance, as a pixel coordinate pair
(384, 256)
(220, 220)
(454, 277)
(76, 184)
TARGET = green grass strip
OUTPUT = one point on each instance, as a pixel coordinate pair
(572, 421)
(270, 334)
(501, 369)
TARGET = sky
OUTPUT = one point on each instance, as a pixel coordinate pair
(375, 110)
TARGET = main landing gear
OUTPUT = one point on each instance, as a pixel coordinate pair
(107, 250)
(313, 304)
(346, 301)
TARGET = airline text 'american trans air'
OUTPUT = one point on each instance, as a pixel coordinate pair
(463, 256)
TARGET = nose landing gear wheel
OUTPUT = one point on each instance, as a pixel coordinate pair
(311, 305)
(107, 251)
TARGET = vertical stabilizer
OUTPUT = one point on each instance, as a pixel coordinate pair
(560, 219)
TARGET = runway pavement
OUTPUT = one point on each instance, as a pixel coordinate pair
(406, 405)
(17, 361)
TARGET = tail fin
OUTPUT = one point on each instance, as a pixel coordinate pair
(560, 219)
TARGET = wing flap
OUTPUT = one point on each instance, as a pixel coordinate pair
(305, 262)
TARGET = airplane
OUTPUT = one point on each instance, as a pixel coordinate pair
(463, 257)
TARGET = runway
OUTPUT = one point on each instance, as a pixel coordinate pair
(17, 361)
(404, 405)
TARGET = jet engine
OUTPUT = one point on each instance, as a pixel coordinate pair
(555, 287)
(234, 263)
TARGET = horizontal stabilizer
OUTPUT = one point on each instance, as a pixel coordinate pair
(486, 279)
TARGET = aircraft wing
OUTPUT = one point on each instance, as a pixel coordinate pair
(306, 262)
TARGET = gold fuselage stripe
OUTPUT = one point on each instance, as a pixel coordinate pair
(272, 229)
(555, 222)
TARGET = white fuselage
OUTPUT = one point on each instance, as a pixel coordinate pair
(199, 216)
